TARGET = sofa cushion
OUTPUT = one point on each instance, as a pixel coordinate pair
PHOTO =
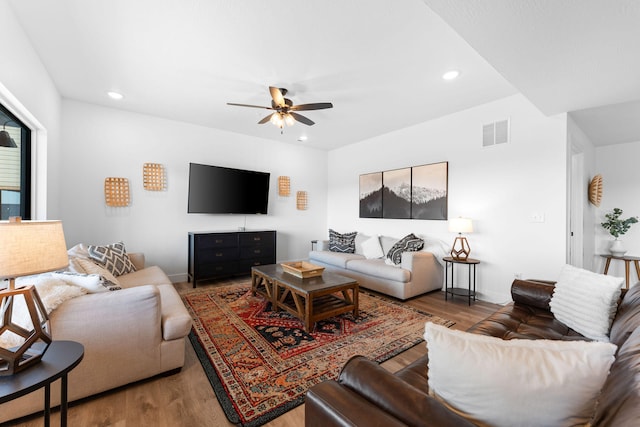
(378, 268)
(113, 257)
(152, 275)
(410, 242)
(344, 243)
(371, 248)
(505, 382)
(586, 301)
(335, 259)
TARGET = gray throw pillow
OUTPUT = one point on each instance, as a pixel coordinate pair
(409, 243)
(345, 243)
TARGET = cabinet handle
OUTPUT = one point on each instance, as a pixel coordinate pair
(219, 254)
(257, 251)
(218, 240)
(256, 239)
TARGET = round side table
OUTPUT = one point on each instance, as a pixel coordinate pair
(469, 293)
(59, 359)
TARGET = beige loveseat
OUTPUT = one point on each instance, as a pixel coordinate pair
(417, 273)
(128, 335)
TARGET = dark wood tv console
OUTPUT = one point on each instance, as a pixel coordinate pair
(217, 254)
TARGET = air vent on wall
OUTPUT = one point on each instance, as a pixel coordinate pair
(495, 133)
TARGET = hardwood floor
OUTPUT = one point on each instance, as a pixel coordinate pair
(187, 399)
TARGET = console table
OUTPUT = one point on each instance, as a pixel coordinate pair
(627, 260)
(59, 359)
(469, 293)
(216, 254)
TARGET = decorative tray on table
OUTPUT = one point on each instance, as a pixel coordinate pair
(302, 269)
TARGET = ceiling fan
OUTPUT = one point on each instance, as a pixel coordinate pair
(284, 110)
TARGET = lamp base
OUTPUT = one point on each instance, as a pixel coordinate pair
(37, 337)
(460, 250)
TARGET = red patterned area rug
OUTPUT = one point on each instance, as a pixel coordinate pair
(261, 363)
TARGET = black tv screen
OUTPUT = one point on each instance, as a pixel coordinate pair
(220, 190)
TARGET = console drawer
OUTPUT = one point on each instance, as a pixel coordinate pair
(256, 238)
(216, 240)
(217, 269)
(256, 251)
(218, 254)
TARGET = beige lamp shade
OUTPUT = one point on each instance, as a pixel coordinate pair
(461, 225)
(31, 247)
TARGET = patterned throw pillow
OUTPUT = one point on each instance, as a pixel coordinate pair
(409, 243)
(345, 243)
(113, 257)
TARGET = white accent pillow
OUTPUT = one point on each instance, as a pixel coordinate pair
(517, 382)
(371, 248)
(586, 302)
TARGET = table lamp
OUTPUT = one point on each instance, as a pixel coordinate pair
(26, 248)
(460, 249)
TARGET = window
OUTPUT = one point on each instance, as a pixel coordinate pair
(15, 167)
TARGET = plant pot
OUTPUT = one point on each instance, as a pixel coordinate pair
(617, 248)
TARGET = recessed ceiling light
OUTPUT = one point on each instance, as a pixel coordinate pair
(450, 75)
(115, 95)
(302, 138)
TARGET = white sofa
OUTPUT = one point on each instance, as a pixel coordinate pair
(128, 335)
(418, 272)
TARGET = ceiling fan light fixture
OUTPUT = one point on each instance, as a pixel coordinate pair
(289, 120)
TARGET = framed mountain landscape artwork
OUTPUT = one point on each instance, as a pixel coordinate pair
(396, 193)
(429, 188)
(371, 195)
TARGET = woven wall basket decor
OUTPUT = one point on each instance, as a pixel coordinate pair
(595, 190)
(116, 192)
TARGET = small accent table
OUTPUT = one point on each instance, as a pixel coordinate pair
(59, 359)
(469, 293)
(627, 260)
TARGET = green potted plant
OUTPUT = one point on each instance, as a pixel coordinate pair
(617, 227)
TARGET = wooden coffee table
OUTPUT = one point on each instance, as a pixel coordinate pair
(311, 299)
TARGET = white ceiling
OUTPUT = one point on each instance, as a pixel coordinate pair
(379, 62)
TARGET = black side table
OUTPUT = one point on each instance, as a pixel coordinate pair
(469, 293)
(59, 359)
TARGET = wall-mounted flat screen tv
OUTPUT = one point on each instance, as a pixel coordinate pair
(220, 190)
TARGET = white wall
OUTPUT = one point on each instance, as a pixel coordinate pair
(102, 142)
(498, 187)
(28, 92)
(618, 165)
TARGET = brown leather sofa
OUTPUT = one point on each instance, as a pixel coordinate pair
(366, 394)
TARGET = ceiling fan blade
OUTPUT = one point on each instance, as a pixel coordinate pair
(315, 106)
(277, 96)
(248, 105)
(266, 119)
(302, 119)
